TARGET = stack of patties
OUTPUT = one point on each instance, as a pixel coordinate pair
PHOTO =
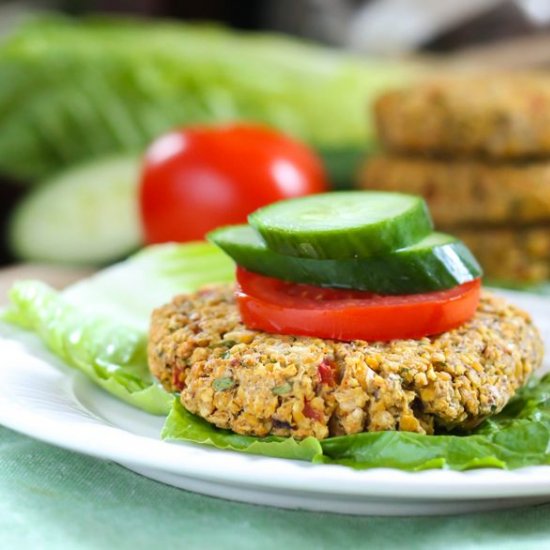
(478, 150)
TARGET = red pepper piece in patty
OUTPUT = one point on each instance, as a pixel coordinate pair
(327, 372)
(312, 413)
(177, 375)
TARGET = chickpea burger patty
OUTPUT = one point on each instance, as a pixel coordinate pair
(521, 253)
(256, 383)
(496, 116)
(462, 192)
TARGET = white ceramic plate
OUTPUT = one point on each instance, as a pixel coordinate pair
(42, 398)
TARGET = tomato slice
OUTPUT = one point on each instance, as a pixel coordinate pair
(281, 307)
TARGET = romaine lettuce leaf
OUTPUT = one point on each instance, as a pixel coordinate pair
(518, 436)
(130, 290)
(111, 354)
(99, 326)
(183, 426)
(79, 89)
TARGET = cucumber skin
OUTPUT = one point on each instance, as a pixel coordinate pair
(379, 239)
(449, 265)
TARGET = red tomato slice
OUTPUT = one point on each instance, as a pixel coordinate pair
(281, 307)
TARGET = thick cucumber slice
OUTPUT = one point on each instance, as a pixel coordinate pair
(87, 215)
(343, 225)
(437, 262)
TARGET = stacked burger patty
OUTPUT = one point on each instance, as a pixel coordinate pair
(478, 150)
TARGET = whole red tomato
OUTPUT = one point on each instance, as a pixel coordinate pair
(199, 178)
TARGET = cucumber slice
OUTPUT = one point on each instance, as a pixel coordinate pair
(343, 225)
(437, 262)
(87, 215)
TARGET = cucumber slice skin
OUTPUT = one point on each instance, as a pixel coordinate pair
(417, 269)
(286, 226)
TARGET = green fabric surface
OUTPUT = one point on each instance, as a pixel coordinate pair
(52, 498)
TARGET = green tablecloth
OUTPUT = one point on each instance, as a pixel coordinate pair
(52, 498)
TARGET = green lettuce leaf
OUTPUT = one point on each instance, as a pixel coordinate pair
(183, 426)
(518, 436)
(79, 89)
(99, 326)
(112, 355)
(130, 290)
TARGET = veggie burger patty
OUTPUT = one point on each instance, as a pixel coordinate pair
(256, 383)
(464, 191)
(522, 253)
(496, 116)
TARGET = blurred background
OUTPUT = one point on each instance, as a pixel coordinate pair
(85, 86)
(369, 26)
